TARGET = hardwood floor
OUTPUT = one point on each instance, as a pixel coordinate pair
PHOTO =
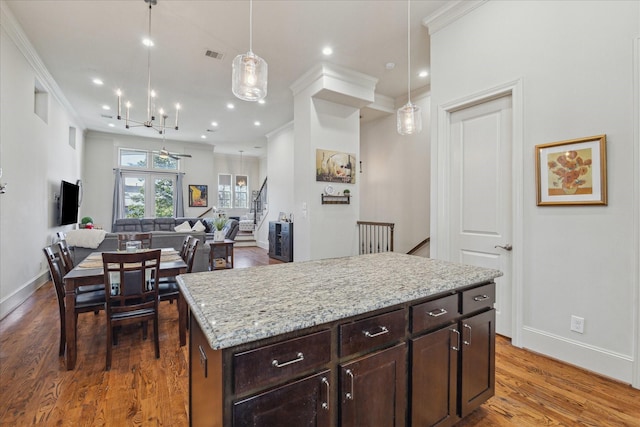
(35, 389)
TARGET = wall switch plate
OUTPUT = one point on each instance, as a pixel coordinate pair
(577, 324)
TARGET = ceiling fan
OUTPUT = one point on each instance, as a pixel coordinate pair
(164, 153)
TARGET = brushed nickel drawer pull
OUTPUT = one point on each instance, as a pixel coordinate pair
(467, 342)
(456, 347)
(299, 358)
(383, 330)
(325, 405)
(481, 297)
(350, 395)
(437, 313)
(203, 361)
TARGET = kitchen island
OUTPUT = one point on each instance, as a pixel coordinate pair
(372, 340)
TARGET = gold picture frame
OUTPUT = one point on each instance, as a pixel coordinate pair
(572, 172)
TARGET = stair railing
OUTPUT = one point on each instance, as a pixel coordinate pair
(375, 237)
(260, 201)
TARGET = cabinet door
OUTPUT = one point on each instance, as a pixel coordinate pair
(373, 389)
(272, 239)
(434, 367)
(302, 403)
(287, 241)
(477, 371)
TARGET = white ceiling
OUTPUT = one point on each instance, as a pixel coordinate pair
(79, 40)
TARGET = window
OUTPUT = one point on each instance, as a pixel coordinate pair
(137, 185)
(149, 188)
(224, 191)
(241, 192)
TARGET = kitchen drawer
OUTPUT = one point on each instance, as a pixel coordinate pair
(371, 332)
(287, 359)
(478, 298)
(432, 314)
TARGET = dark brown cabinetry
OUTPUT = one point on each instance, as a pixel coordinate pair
(422, 363)
(373, 389)
(453, 368)
(300, 403)
(281, 241)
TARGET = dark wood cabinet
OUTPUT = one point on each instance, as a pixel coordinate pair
(434, 376)
(281, 241)
(373, 389)
(452, 368)
(477, 355)
(428, 362)
(301, 403)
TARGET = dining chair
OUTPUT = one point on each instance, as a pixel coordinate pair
(144, 238)
(67, 259)
(85, 302)
(169, 291)
(183, 255)
(133, 296)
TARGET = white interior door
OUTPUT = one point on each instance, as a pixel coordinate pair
(481, 205)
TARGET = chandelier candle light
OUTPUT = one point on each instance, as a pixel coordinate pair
(249, 71)
(409, 120)
(151, 95)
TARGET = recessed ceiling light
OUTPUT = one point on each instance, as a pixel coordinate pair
(327, 51)
(230, 106)
(111, 125)
(214, 124)
(147, 42)
(98, 82)
(423, 73)
(203, 136)
(106, 107)
(256, 123)
(262, 101)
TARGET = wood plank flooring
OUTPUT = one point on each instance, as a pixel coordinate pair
(35, 389)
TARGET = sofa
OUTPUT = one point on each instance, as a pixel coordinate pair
(164, 236)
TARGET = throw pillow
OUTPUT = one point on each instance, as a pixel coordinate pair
(198, 226)
(183, 227)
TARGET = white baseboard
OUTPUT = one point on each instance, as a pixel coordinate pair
(604, 362)
(263, 245)
(11, 302)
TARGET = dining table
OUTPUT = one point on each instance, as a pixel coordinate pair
(90, 272)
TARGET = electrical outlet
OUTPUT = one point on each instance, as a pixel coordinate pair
(577, 324)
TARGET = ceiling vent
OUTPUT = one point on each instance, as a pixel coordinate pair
(213, 54)
(212, 130)
(106, 116)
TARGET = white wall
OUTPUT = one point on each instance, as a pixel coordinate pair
(395, 178)
(35, 156)
(201, 169)
(575, 59)
(280, 179)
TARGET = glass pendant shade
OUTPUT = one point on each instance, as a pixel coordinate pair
(249, 79)
(409, 120)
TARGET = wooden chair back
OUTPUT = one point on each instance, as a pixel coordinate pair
(185, 246)
(123, 238)
(56, 269)
(65, 254)
(131, 292)
(190, 255)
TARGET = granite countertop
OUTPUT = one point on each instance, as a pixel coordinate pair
(242, 305)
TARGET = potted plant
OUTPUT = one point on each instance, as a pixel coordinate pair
(218, 234)
(347, 192)
(86, 222)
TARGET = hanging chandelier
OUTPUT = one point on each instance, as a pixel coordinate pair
(249, 71)
(409, 120)
(150, 122)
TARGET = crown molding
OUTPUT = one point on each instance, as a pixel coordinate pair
(13, 29)
(449, 14)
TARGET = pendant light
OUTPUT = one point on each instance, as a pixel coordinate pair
(249, 73)
(409, 120)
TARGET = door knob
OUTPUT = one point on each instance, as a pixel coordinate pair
(506, 247)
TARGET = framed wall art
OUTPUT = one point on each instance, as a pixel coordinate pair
(334, 166)
(572, 172)
(198, 196)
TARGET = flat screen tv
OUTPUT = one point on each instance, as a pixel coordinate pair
(68, 203)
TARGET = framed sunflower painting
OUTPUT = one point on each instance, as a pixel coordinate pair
(572, 172)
